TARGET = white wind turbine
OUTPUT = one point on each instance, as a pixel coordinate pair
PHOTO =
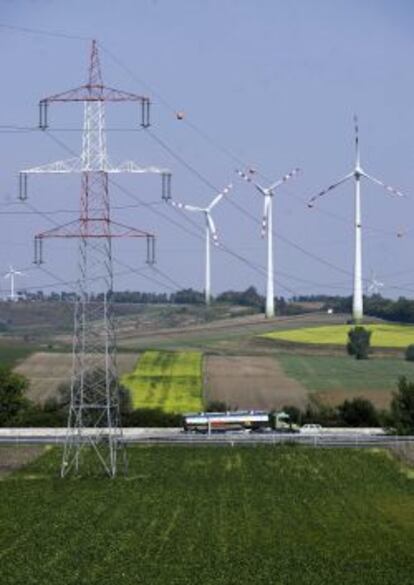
(211, 233)
(12, 275)
(267, 229)
(356, 174)
(374, 286)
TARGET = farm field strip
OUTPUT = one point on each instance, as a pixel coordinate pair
(212, 515)
(171, 381)
(251, 382)
(383, 335)
(333, 379)
(46, 371)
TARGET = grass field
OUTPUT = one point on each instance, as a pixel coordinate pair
(218, 516)
(320, 372)
(383, 335)
(171, 381)
(11, 353)
(333, 379)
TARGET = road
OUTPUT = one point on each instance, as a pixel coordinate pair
(175, 436)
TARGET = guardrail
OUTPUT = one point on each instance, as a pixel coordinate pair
(177, 437)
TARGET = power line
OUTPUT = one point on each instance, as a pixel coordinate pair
(43, 32)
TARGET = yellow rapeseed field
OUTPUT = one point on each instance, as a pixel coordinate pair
(383, 335)
(168, 380)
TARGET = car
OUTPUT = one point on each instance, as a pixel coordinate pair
(311, 428)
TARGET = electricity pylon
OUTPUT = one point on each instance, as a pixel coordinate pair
(94, 414)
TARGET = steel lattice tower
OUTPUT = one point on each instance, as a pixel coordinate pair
(94, 414)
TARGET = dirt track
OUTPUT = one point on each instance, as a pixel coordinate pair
(251, 382)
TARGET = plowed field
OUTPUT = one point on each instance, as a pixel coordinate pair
(251, 382)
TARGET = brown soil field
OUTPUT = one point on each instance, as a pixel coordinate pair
(13, 457)
(46, 371)
(380, 398)
(250, 382)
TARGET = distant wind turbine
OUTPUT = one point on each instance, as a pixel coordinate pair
(356, 174)
(12, 275)
(267, 229)
(211, 233)
(374, 286)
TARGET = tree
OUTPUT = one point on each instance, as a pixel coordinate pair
(402, 407)
(358, 412)
(217, 406)
(409, 353)
(359, 340)
(12, 399)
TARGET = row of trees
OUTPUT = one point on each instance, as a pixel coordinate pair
(401, 310)
(247, 298)
(360, 412)
(16, 410)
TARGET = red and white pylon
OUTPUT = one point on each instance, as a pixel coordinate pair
(94, 387)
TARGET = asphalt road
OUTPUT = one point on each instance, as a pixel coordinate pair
(326, 438)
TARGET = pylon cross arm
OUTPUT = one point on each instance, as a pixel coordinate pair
(130, 166)
(76, 165)
(70, 165)
(95, 92)
(94, 228)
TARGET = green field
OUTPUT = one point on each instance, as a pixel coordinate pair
(319, 372)
(217, 516)
(11, 353)
(383, 335)
(171, 381)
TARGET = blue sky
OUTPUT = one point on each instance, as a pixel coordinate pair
(269, 84)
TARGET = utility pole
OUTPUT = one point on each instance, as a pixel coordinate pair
(94, 413)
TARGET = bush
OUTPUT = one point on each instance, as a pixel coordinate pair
(151, 417)
(402, 407)
(12, 400)
(409, 353)
(218, 406)
(358, 412)
(359, 340)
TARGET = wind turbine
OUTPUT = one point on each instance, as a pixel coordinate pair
(12, 275)
(267, 229)
(374, 285)
(211, 233)
(356, 174)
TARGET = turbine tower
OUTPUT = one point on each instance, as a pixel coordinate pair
(211, 233)
(267, 230)
(94, 413)
(12, 276)
(356, 174)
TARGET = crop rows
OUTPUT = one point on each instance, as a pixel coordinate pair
(219, 516)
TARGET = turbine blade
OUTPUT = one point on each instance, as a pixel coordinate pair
(356, 129)
(265, 220)
(193, 208)
(247, 177)
(212, 228)
(330, 188)
(179, 205)
(283, 179)
(7, 275)
(220, 196)
(388, 188)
